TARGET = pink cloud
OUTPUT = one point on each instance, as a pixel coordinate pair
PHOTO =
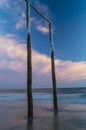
(13, 57)
(11, 54)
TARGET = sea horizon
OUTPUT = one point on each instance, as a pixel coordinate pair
(67, 90)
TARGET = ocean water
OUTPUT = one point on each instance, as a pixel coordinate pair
(64, 95)
(72, 110)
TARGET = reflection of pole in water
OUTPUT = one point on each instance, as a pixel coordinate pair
(30, 124)
(29, 63)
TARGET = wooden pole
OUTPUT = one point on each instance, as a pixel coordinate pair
(29, 64)
(53, 70)
(29, 79)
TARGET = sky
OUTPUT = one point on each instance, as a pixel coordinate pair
(68, 18)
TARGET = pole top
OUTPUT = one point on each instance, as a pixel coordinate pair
(26, 0)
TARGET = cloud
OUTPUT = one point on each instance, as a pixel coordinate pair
(4, 3)
(3, 21)
(42, 29)
(13, 57)
(32, 19)
(40, 25)
(41, 63)
(44, 9)
(21, 22)
(11, 54)
(16, 10)
(67, 71)
(70, 71)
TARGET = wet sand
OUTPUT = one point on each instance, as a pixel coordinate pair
(13, 116)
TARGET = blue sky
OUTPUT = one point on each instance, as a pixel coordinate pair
(68, 19)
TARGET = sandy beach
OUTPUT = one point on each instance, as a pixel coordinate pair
(13, 116)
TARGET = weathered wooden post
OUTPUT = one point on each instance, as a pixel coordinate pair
(53, 70)
(29, 64)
